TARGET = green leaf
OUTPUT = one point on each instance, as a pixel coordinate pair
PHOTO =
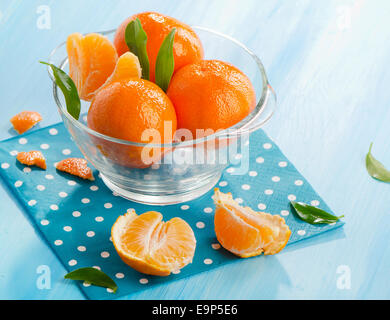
(165, 63)
(136, 38)
(68, 88)
(313, 215)
(375, 168)
(92, 276)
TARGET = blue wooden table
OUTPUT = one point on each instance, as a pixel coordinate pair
(328, 61)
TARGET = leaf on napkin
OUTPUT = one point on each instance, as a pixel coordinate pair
(313, 215)
(92, 276)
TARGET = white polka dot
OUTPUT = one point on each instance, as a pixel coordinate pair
(90, 234)
(55, 164)
(252, 173)
(276, 179)
(267, 146)
(49, 177)
(108, 205)
(282, 164)
(301, 232)
(44, 146)
(262, 206)
(291, 197)
(32, 203)
(76, 214)
(130, 210)
(315, 203)
(99, 219)
(184, 207)
(54, 207)
(81, 248)
(104, 254)
(66, 152)
(238, 156)
(44, 222)
(208, 210)
(176, 271)
(284, 213)
(72, 262)
(85, 200)
(260, 160)
(109, 290)
(40, 187)
(53, 131)
(18, 184)
(26, 170)
(245, 187)
(110, 238)
(143, 281)
(298, 182)
(72, 183)
(67, 228)
(5, 165)
(155, 166)
(63, 194)
(230, 170)
(223, 184)
(239, 200)
(94, 188)
(58, 242)
(216, 246)
(86, 284)
(208, 261)
(97, 267)
(268, 192)
(200, 225)
(23, 141)
(115, 194)
(14, 153)
(119, 275)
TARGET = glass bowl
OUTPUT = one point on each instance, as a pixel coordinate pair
(186, 169)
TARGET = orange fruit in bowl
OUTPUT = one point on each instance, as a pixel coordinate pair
(77, 167)
(245, 232)
(210, 94)
(132, 109)
(187, 47)
(92, 59)
(32, 158)
(25, 120)
(152, 246)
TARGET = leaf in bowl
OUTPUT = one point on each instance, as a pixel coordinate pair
(136, 39)
(68, 88)
(165, 63)
(376, 169)
(313, 215)
(92, 276)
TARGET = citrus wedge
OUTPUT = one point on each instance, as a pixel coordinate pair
(32, 158)
(77, 167)
(25, 120)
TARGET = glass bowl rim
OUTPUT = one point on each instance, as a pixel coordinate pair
(234, 131)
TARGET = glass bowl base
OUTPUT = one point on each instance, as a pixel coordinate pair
(166, 199)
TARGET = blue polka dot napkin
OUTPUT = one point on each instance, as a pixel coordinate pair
(75, 216)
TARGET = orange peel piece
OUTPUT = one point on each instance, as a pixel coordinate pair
(32, 158)
(245, 232)
(77, 167)
(25, 120)
(152, 246)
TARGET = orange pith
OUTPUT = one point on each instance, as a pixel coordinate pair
(187, 47)
(92, 59)
(245, 232)
(25, 120)
(32, 158)
(210, 94)
(125, 109)
(77, 167)
(152, 246)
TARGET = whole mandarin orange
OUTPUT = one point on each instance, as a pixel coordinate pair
(210, 94)
(187, 47)
(125, 109)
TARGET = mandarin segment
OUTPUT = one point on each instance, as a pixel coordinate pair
(187, 47)
(25, 120)
(92, 59)
(32, 158)
(151, 246)
(77, 167)
(210, 94)
(245, 232)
